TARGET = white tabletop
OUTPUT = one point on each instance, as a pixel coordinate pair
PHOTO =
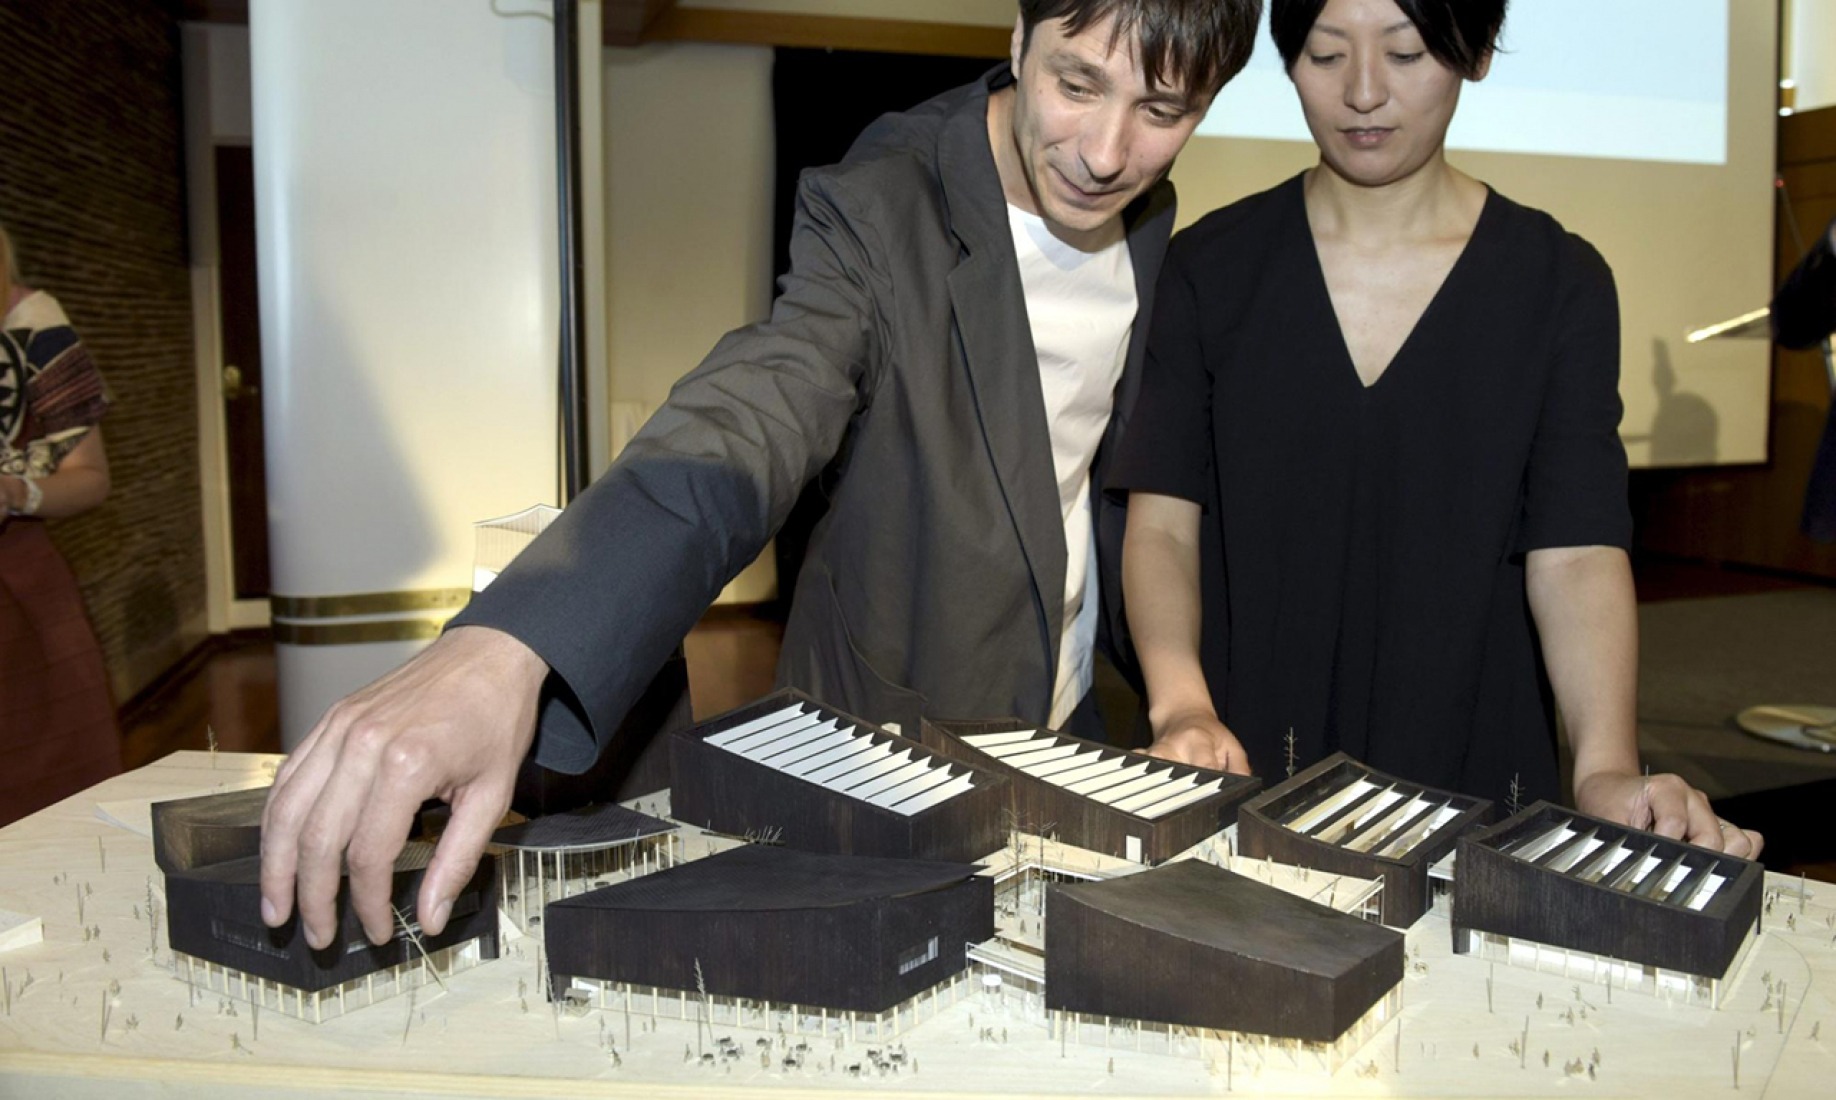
(478, 1040)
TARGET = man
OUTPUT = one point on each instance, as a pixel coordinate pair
(1803, 316)
(953, 348)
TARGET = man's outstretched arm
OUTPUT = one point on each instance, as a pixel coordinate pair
(591, 608)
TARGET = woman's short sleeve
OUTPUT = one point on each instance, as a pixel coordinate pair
(1575, 485)
(1167, 446)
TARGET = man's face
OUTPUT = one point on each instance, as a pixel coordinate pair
(1087, 134)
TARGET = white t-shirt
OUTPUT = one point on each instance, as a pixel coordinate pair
(1081, 306)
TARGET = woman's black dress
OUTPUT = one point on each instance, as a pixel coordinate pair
(1363, 547)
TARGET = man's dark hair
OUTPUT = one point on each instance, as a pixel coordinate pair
(1458, 33)
(1194, 45)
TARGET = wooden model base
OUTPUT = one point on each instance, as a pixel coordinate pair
(1470, 1029)
(19, 930)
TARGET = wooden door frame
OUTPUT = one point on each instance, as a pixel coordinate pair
(224, 612)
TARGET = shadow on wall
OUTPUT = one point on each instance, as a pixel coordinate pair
(367, 513)
(1685, 431)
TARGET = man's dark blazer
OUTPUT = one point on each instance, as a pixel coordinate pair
(897, 366)
(1803, 316)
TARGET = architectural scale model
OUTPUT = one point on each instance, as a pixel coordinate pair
(788, 769)
(1010, 968)
(1554, 889)
(1344, 817)
(1189, 945)
(561, 855)
(93, 1009)
(209, 849)
(1094, 796)
(774, 938)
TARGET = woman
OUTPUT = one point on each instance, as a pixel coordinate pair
(57, 723)
(1378, 432)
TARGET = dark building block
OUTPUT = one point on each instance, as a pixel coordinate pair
(777, 924)
(1308, 821)
(214, 913)
(780, 795)
(1197, 946)
(213, 828)
(1511, 880)
(1162, 819)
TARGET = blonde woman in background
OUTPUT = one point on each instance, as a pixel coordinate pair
(57, 722)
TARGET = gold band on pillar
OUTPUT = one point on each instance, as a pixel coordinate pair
(365, 617)
(369, 603)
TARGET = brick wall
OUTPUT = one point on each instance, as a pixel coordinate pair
(92, 190)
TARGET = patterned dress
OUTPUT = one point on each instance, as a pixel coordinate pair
(57, 722)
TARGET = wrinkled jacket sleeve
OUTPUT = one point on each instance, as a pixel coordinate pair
(1804, 310)
(609, 590)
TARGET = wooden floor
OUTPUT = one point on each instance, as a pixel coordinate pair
(227, 688)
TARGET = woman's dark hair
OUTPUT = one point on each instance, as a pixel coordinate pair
(1195, 45)
(1459, 33)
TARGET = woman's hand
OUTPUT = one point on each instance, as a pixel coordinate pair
(79, 483)
(1199, 738)
(1665, 805)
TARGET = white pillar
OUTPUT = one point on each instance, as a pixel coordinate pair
(405, 220)
(1811, 61)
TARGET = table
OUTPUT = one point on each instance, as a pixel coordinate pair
(492, 1035)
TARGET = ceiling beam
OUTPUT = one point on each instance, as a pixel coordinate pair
(676, 24)
(625, 21)
(215, 11)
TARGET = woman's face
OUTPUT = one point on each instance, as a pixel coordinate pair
(1377, 101)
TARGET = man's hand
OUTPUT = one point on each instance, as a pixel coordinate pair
(454, 723)
(1198, 738)
(1666, 805)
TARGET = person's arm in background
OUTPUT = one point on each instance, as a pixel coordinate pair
(1804, 310)
(1160, 577)
(1574, 533)
(575, 628)
(1587, 620)
(79, 483)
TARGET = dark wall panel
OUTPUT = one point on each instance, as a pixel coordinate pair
(93, 194)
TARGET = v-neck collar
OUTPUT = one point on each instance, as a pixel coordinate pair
(1317, 270)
